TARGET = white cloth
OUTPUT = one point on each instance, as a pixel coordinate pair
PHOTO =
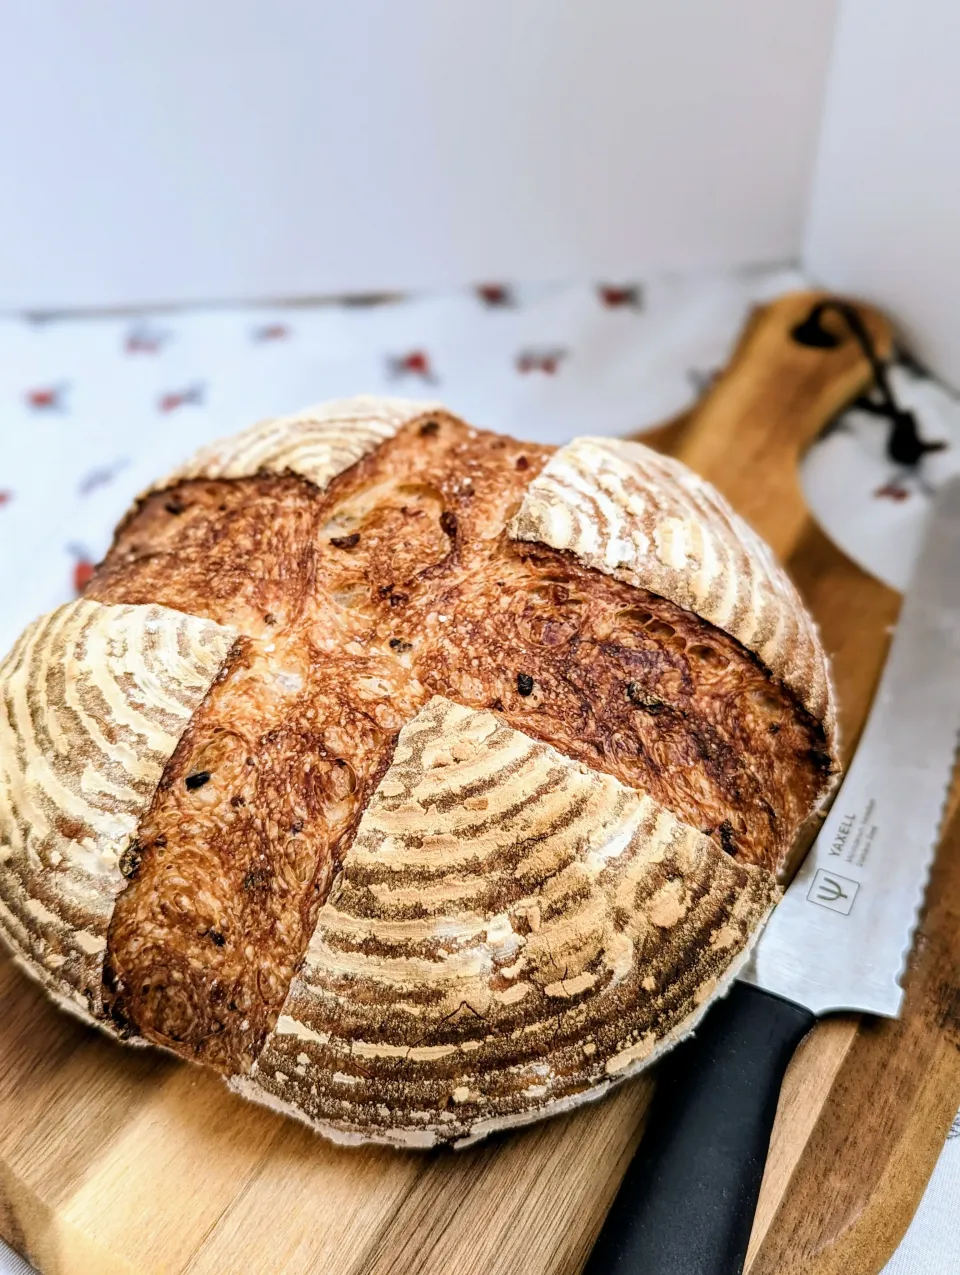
(932, 1244)
(92, 410)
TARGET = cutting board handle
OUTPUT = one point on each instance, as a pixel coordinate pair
(796, 366)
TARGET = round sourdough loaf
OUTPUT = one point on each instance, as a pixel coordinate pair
(421, 781)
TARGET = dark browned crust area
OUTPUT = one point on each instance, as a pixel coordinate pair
(357, 605)
(237, 552)
(629, 683)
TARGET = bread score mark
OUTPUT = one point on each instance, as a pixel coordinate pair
(94, 700)
(481, 1017)
(647, 519)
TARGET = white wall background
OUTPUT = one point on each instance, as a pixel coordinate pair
(885, 209)
(177, 150)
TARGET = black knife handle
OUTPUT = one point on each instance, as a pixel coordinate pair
(686, 1204)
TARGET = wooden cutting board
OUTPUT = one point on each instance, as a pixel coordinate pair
(120, 1161)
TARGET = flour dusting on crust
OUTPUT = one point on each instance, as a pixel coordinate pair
(510, 931)
(93, 700)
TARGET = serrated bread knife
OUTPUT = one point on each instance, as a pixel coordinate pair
(838, 940)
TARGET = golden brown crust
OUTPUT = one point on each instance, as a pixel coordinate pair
(230, 551)
(631, 684)
(397, 583)
(368, 568)
(238, 850)
(512, 931)
(296, 735)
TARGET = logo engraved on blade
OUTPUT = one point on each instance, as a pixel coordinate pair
(832, 891)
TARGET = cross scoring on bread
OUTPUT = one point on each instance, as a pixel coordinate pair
(356, 605)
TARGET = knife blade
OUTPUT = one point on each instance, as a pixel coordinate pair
(839, 939)
(841, 934)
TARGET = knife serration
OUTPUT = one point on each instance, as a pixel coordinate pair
(841, 935)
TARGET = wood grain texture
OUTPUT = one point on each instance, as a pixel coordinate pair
(118, 1161)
